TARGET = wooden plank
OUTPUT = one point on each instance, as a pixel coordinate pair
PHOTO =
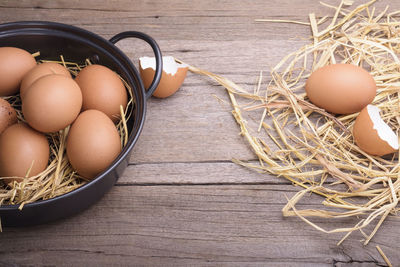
(203, 20)
(197, 24)
(193, 225)
(180, 173)
(180, 8)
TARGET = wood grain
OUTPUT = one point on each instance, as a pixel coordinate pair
(181, 201)
(171, 173)
(191, 225)
(183, 20)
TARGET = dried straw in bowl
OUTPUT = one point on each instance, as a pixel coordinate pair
(59, 177)
(314, 149)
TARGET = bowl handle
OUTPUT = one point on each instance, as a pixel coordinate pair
(156, 50)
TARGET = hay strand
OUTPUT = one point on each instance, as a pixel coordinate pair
(384, 256)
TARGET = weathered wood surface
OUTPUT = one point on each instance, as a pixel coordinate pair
(182, 201)
(231, 225)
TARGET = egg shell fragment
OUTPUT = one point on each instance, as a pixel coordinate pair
(102, 89)
(22, 149)
(172, 77)
(14, 64)
(341, 88)
(93, 143)
(52, 103)
(8, 115)
(372, 134)
(39, 71)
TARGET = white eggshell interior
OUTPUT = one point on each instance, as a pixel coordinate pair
(170, 66)
(384, 131)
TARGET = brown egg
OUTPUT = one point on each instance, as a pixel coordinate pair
(22, 150)
(52, 103)
(341, 88)
(102, 89)
(172, 76)
(14, 64)
(8, 116)
(372, 134)
(39, 71)
(93, 143)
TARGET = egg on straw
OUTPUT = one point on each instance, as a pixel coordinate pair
(8, 115)
(341, 88)
(14, 64)
(39, 71)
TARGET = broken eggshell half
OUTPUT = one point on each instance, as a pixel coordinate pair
(372, 134)
(172, 77)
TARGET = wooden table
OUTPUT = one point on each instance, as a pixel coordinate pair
(182, 201)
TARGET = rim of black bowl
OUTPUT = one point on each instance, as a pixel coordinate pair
(132, 139)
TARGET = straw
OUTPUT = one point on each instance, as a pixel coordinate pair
(384, 256)
(312, 148)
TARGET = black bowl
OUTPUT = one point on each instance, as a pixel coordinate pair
(76, 45)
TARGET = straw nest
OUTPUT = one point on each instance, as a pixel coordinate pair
(59, 177)
(314, 149)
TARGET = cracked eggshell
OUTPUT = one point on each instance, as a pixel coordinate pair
(172, 77)
(341, 88)
(39, 71)
(372, 134)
